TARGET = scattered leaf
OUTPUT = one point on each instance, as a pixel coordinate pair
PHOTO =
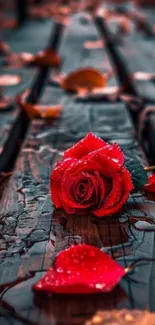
(138, 174)
(9, 80)
(43, 58)
(84, 78)
(36, 110)
(150, 186)
(81, 269)
(93, 45)
(18, 60)
(46, 58)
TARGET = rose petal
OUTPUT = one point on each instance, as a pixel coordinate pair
(90, 143)
(81, 269)
(150, 186)
(128, 186)
(55, 180)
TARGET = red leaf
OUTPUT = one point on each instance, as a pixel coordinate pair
(81, 269)
(150, 186)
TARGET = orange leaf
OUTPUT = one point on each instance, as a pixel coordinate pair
(47, 58)
(85, 78)
(36, 110)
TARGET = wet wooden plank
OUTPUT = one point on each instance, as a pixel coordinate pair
(147, 134)
(75, 54)
(38, 232)
(13, 122)
(10, 120)
(31, 37)
(32, 232)
(132, 55)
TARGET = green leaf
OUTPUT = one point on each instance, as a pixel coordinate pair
(137, 172)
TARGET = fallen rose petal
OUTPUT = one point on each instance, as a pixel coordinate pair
(84, 78)
(81, 269)
(150, 186)
(9, 80)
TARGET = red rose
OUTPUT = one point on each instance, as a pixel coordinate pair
(91, 178)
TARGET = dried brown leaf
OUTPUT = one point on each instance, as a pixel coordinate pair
(46, 58)
(84, 78)
(38, 110)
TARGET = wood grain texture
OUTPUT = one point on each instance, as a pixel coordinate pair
(13, 121)
(31, 37)
(76, 56)
(135, 53)
(33, 232)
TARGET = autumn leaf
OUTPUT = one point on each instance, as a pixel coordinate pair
(37, 110)
(43, 58)
(46, 58)
(85, 79)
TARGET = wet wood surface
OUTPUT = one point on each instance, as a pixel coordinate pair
(30, 37)
(32, 232)
(135, 50)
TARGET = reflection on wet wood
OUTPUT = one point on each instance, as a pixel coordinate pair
(32, 232)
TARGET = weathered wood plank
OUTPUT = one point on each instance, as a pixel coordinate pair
(10, 121)
(33, 239)
(32, 232)
(131, 56)
(13, 122)
(75, 55)
(31, 37)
